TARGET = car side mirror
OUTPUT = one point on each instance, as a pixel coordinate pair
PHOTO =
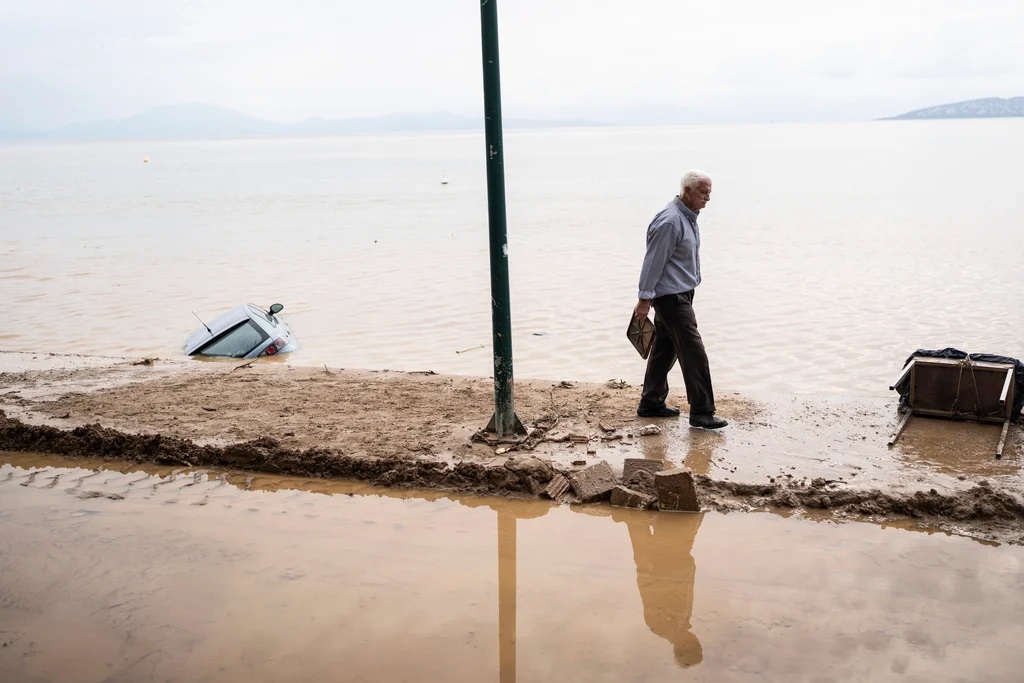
(276, 308)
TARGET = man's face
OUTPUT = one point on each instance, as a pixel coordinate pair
(698, 197)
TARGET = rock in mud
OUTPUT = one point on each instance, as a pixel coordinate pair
(676, 490)
(623, 497)
(532, 471)
(593, 483)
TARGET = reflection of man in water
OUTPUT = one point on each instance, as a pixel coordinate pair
(665, 572)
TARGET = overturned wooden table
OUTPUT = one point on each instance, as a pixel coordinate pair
(958, 389)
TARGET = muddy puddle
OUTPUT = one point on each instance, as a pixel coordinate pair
(129, 574)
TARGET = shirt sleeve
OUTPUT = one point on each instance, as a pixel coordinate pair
(662, 240)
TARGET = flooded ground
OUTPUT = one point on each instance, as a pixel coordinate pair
(418, 430)
(129, 574)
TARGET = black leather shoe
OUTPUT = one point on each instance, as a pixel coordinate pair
(707, 422)
(663, 410)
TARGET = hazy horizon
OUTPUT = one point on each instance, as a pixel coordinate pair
(66, 62)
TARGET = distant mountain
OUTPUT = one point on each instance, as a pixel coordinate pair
(988, 107)
(206, 121)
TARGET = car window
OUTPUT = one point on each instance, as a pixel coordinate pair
(235, 342)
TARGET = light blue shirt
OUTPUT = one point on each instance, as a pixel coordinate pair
(672, 262)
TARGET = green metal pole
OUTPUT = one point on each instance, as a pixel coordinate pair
(504, 421)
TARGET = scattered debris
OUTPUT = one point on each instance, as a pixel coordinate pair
(579, 438)
(422, 372)
(564, 385)
(650, 430)
(631, 466)
(532, 471)
(623, 497)
(593, 483)
(579, 463)
(605, 428)
(470, 348)
(208, 409)
(556, 487)
(243, 365)
(676, 490)
(616, 384)
(328, 371)
(146, 361)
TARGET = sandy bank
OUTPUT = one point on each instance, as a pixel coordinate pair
(818, 455)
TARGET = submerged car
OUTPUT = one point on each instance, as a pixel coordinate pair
(246, 331)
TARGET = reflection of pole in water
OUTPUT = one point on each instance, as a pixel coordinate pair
(507, 596)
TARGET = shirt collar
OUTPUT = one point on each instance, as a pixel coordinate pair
(685, 210)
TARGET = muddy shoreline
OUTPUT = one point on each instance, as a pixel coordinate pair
(421, 431)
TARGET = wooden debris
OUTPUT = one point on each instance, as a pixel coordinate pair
(558, 437)
(556, 487)
(243, 365)
(605, 427)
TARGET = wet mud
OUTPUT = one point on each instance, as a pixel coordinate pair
(981, 510)
(267, 455)
(810, 455)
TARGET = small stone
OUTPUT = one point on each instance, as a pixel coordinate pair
(676, 490)
(593, 483)
(623, 497)
(579, 463)
(650, 430)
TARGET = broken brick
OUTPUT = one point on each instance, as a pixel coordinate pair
(593, 483)
(623, 497)
(676, 490)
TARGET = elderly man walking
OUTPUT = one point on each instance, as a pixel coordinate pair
(670, 274)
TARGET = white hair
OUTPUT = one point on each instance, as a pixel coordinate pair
(693, 178)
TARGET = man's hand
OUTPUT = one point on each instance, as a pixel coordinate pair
(643, 307)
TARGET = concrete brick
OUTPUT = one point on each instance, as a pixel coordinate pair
(676, 490)
(556, 487)
(633, 465)
(623, 497)
(593, 483)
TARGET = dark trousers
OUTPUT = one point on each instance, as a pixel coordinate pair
(676, 336)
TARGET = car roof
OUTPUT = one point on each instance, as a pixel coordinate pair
(218, 326)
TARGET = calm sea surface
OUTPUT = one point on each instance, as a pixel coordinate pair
(830, 252)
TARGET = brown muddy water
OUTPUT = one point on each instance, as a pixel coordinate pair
(156, 574)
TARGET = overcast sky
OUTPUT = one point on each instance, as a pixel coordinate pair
(66, 61)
